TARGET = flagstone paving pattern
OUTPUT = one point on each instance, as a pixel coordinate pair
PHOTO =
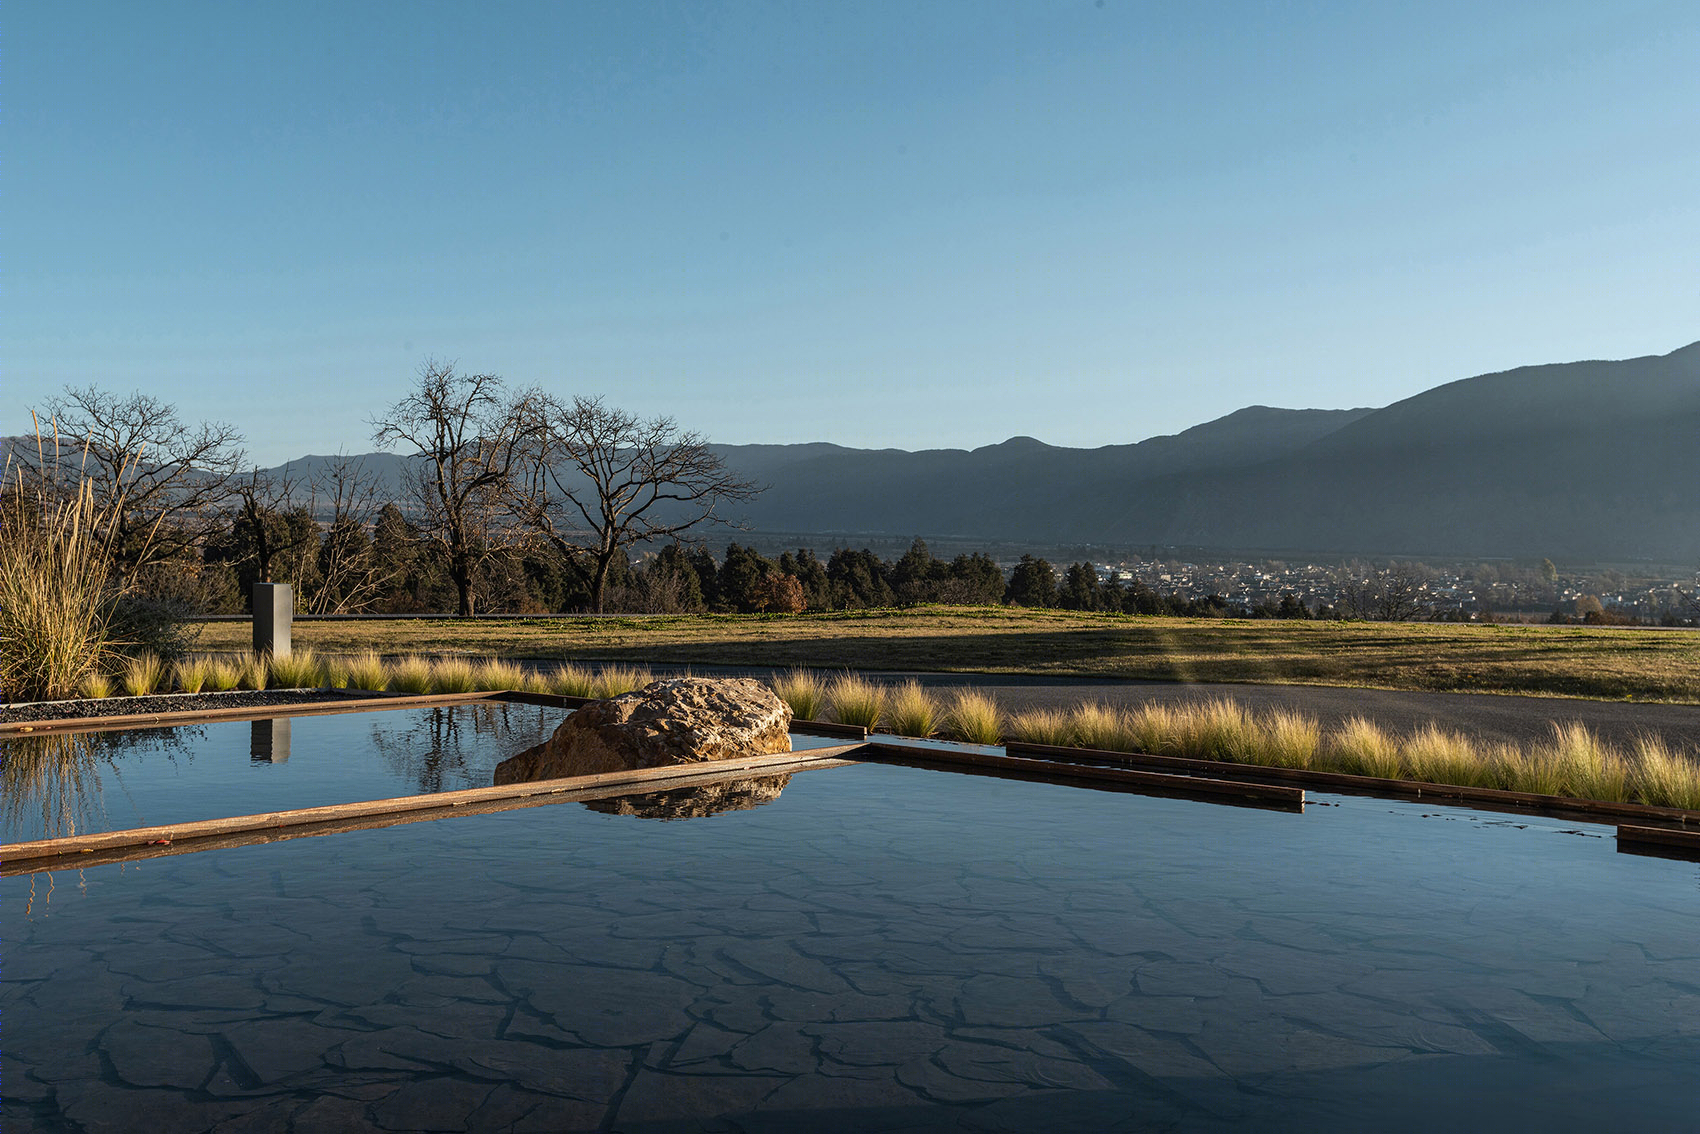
(881, 948)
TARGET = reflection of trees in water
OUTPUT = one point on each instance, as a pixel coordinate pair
(56, 778)
(695, 802)
(458, 746)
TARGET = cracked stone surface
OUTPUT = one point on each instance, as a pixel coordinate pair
(880, 949)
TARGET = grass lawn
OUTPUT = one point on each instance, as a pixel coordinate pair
(1565, 661)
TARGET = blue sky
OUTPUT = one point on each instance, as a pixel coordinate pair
(910, 225)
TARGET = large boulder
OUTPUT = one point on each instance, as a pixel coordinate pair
(681, 720)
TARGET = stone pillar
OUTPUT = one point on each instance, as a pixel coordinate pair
(274, 610)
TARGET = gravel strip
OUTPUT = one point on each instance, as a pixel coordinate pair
(172, 703)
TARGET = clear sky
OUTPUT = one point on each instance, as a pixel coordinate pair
(908, 224)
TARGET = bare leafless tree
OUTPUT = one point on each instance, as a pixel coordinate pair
(259, 500)
(172, 479)
(351, 577)
(469, 434)
(600, 481)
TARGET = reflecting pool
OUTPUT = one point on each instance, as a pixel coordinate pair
(880, 948)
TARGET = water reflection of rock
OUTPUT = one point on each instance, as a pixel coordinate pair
(695, 802)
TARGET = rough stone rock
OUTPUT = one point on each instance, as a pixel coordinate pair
(695, 802)
(681, 720)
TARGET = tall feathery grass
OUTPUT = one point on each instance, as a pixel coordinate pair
(494, 675)
(453, 675)
(973, 718)
(411, 674)
(190, 674)
(57, 592)
(1042, 726)
(613, 680)
(256, 672)
(301, 669)
(1665, 777)
(224, 673)
(571, 680)
(97, 686)
(367, 671)
(856, 701)
(1362, 748)
(912, 711)
(142, 674)
(803, 690)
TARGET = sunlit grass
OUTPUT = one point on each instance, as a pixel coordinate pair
(912, 711)
(367, 671)
(141, 674)
(856, 701)
(411, 674)
(256, 672)
(973, 718)
(97, 686)
(569, 680)
(225, 674)
(1665, 777)
(1093, 725)
(301, 669)
(803, 690)
(190, 674)
(613, 680)
(1042, 726)
(454, 675)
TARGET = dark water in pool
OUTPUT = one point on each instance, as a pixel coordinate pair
(881, 948)
(79, 783)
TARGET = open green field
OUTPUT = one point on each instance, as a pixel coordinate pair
(1562, 661)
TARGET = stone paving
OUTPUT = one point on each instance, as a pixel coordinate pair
(880, 949)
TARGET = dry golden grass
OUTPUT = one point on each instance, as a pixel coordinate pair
(1577, 661)
(973, 717)
(856, 700)
(911, 711)
(803, 690)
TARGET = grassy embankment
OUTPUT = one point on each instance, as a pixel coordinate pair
(1561, 661)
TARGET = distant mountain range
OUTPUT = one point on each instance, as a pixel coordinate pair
(1596, 461)
(1582, 460)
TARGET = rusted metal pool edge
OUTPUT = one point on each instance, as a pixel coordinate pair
(47, 854)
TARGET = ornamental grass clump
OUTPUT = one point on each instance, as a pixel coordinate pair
(411, 674)
(973, 718)
(224, 674)
(453, 675)
(142, 674)
(1432, 755)
(570, 680)
(1042, 726)
(256, 672)
(1215, 730)
(803, 690)
(1094, 725)
(96, 686)
(367, 671)
(1664, 776)
(611, 681)
(1590, 769)
(1153, 729)
(1290, 740)
(495, 675)
(1362, 748)
(301, 669)
(57, 593)
(912, 711)
(856, 701)
(190, 674)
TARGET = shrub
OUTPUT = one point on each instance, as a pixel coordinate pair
(803, 691)
(142, 674)
(856, 701)
(367, 671)
(974, 718)
(912, 711)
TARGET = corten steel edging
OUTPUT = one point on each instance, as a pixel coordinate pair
(1498, 799)
(1279, 794)
(44, 854)
(356, 704)
(1660, 840)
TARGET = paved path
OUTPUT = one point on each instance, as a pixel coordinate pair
(1488, 717)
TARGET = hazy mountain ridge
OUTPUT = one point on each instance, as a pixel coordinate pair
(1595, 460)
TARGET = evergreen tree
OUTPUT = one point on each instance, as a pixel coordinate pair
(1032, 583)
